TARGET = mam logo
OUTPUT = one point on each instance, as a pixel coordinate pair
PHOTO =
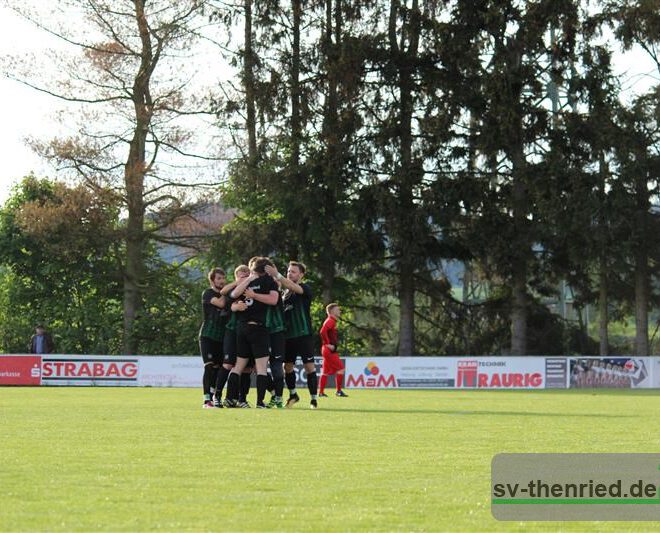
(371, 378)
(89, 370)
(468, 375)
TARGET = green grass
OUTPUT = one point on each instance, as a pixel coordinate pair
(136, 459)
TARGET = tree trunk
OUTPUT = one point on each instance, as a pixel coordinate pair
(603, 316)
(642, 268)
(327, 283)
(519, 262)
(641, 304)
(296, 127)
(332, 164)
(407, 311)
(603, 286)
(134, 172)
(519, 312)
(403, 59)
(249, 86)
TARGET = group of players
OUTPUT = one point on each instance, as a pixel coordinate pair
(592, 373)
(262, 320)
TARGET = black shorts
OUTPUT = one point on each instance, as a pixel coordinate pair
(229, 348)
(302, 347)
(252, 340)
(211, 350)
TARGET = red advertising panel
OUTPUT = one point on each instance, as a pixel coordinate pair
(20, 370)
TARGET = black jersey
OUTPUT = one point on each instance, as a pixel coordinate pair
(215, 318)
(297, 313)
(256, 311)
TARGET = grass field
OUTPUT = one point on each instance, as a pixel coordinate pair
(136, 459)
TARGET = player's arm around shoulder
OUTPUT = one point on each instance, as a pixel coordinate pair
(238, 306)
(286, 282)
(269, 298)
(240, 287)
(219, 302)
(226, 290)
(209, 296)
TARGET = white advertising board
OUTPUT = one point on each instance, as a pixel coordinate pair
(157, 371)
(446, 372)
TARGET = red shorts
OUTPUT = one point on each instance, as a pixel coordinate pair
(331, 362)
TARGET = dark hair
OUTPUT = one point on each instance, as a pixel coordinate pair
(258, 264)
(217, 271)
(301, 266)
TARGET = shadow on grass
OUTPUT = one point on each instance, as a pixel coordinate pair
(475, 413)
(461, 393)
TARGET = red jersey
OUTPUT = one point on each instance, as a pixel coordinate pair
(329, 333)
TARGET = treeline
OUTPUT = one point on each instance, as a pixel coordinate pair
(378, 141)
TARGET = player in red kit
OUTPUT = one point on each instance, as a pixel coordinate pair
(331, 362)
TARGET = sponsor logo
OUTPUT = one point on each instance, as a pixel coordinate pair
(468, 376)
(89, 369)
(371, 377)
(20, 370)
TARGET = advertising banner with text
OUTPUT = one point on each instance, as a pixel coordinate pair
(20, 370)
(361, 372)
(446, 372)
(89, 370)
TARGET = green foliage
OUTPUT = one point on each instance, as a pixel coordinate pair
(390, 137)
(62, 267)
(64, 278)
(169, 321)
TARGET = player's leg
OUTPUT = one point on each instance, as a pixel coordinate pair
(337, 368)
(277, 350)
(245, 383)
(290, 354)
(306, 350)
(228, 362)
(242, 359)
(325, 372)
(260, 347)
(261, 365)
(216, 356)
(207, 358)
(234, 381)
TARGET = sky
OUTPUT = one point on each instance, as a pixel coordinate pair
(25, 112)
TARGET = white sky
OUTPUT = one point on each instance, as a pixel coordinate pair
(25, 112)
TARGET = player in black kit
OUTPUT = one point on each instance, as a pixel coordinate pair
(259, 291)
(212, 331)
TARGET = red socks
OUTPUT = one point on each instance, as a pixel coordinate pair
(322, 383)
(339, 378)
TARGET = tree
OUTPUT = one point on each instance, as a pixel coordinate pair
(510, 127)
(637, 23)
(59, 267)
(129, 83)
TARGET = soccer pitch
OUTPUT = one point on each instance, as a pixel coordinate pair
(136, 459)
